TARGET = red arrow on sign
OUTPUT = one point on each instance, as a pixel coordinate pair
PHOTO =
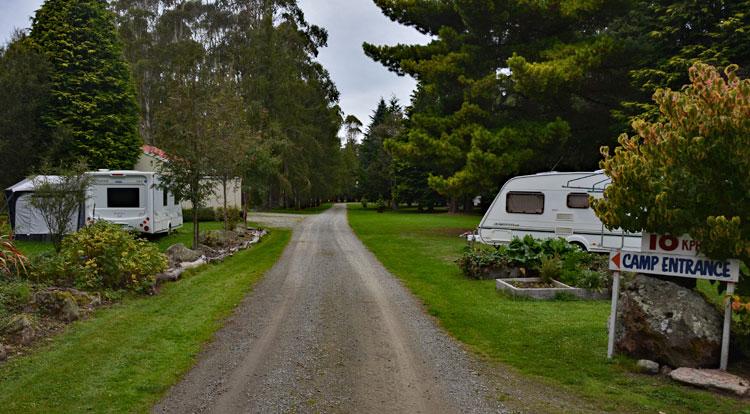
(616, 260)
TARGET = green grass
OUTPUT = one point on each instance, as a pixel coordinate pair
(563, 343)
(126, 357)
(182, 235)
(310, 210)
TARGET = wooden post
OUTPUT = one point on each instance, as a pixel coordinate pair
(727, 328)
(613, 314)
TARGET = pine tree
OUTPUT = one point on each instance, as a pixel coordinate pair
(91, 95)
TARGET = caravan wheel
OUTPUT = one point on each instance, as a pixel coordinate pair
(580, 245)
(169, 229)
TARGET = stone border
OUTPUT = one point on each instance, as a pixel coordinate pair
(545, 293)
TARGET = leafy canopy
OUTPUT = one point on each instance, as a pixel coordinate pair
(690, 172)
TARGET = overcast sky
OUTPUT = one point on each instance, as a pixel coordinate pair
(349, 23)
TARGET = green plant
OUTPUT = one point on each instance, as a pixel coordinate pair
(364, 202)
(234, 216)
(14, 295)
(478, 263)
(550, 269)
(104, 256)
(12, 261)
(380, 205)
(204, 214)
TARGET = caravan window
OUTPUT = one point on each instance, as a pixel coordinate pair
(524, 202)
(123, 197)
(165, 195)
(578, 200)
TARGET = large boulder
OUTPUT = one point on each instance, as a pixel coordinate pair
(60, 303)
(178, 253)
(20, 329)
(667, 323)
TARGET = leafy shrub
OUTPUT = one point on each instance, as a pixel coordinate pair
(481, 263)
(380, 205)
(234, 216)
(550, 269)
(14, 295)
(103, 256)
(204, 214)
(364, 202)
(12, 261)
(549, 259)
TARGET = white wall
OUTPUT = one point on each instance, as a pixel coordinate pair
(148, 162)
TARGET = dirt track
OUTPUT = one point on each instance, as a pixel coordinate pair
(330, 330)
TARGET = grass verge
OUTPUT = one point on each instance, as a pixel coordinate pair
(126, 357)
(562, 343)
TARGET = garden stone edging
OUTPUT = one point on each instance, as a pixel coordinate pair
(545, 293)
(209, 256)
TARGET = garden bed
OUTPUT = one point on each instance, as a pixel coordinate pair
(535, 288)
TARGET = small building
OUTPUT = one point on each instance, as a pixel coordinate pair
(152, 157)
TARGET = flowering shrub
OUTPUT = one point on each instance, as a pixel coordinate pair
(104, 256)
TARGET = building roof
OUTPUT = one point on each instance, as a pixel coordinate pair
(155, 152)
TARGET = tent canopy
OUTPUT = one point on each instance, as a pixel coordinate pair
(27, 222)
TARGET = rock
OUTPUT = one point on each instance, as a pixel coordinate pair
(219, 238)
(178, 253)
(60, 303)
(666, 323)
(20, 329)
(648, 366)
(70, 311)
(712, 379)
(3, 353)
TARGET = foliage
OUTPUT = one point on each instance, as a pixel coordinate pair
(103, 256)
(204, 213)
(549, 259)
(231, 216)
(380, 205)
(91, 97)
(376, 175)
(509, 87)
(364, 202)
(14, 295)
(59, 199)
(550, 269)
(12, 261)
(24, 80)
(665, 179)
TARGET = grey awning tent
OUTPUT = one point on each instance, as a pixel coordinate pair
(25, 220)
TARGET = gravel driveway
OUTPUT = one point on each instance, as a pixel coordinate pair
(330, 330)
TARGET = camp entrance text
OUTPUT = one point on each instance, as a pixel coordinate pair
(684, 266)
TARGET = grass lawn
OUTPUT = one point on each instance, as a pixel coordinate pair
(310, 210)
(561, 342)
(182, 235)
(126, 357)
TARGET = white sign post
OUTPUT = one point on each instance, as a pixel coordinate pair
(672, 256)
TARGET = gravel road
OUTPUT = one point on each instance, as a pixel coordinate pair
(330, 330)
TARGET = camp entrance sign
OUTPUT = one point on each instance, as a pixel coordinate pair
(672, 256)
(696, 267)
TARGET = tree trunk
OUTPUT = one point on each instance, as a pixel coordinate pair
(453, 205)
(196, 231)
(226, 214)
(468, 205)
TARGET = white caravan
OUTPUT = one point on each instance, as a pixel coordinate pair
(134, 200)
(550, 205)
